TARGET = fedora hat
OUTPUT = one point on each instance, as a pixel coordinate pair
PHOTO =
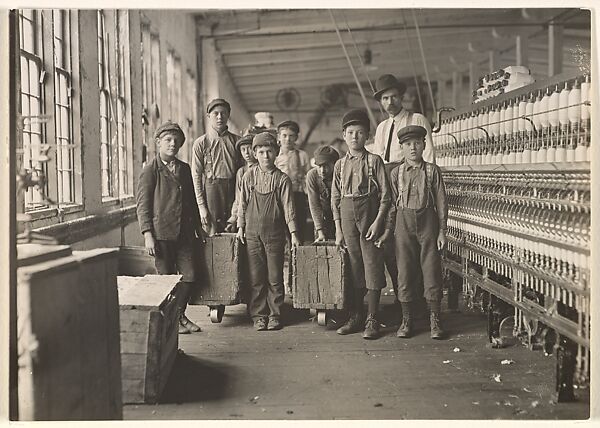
(385, 82)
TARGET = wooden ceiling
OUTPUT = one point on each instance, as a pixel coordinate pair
(266, 51)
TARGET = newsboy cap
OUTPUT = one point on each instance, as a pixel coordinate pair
(325, 154)
(245, 140)
(385, 82)
(355, 117)
(265, 138)
(411, 131)
(169, 126)
(289, 124)
(218, 102)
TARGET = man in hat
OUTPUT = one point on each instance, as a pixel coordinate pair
(168, 215)
(318, 188)
(360, 200)
(266, 211)
(417, 221)
(214, 164)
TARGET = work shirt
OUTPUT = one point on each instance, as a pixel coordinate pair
(295, 164)
(213, 156)
(356, 181)
(238, 190)
(266, 182)
(400, 121)
(415, 193)
(319, 198)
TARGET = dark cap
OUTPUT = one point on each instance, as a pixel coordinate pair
(245, 140)
(411, 131)
(218, 102)
(385, 82)
(356, 117)
(169, 126)
(325, 154)
(265, 138)
(289, 124)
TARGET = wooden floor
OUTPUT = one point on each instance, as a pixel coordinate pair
(305, 371)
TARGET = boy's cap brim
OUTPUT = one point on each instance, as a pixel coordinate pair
(169, 127)
(218, 102)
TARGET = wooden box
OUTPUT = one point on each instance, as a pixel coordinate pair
(135, 261)
(318, 277)
(68, 334)
(149, 342)
(221, 272)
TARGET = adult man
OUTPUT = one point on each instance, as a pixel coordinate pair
(214, 164)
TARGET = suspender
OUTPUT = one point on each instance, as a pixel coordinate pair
(428, 182)
(370, 172)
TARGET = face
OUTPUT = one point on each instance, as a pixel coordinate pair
(247, 153)
(326, 170)
(355, 136)
(412, 149)
(265, 155)
(391, 101)
(169, 144)
(218, 117)
(287, 138)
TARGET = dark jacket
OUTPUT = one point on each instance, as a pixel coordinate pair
(166, 204)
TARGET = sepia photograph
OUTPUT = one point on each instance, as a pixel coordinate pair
(377, 212)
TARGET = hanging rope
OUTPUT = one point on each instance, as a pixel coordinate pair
(360, 89)
(424, 63)
(412, 63)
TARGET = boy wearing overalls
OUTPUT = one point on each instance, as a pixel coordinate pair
(418, 220)
(214, 164)
(360, 200)
(318, 187)
(266, 209)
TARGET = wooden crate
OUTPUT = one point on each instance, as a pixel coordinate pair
(135, 261)
(318, 277)
(68, 340)
(221, 272)
(149, 341)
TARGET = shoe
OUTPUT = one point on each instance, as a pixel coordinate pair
(274, 324)
(182, 329)
(192, 327)
(353, 325)
(436, 328)
(260, 324)
(406, 328)
(371, 328)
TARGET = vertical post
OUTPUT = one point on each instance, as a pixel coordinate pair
(441, 91)
(522, 50)
(472, 78)
(555, 49)
(492, 60)
(454, 88)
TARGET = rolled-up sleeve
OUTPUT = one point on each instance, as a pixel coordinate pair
(145, 199)
(198, 171)
(441, 201)
(287, 200)
(314, 198)
(384, 186)
(336, 191)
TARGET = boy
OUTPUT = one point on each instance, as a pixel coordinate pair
(168, 215)
(214, 164)
(266, 208)
(418, 221)
(244, 147)
(318, 188)
(360, 200)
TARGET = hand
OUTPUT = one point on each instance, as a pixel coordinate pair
(294, 240)
(231, 227)
(320, 236)
(374, 231)
(201, 235)
(441, 240)
(150, 243)
(241, 235)
(340, 243)
(204, 217)
(380, 242)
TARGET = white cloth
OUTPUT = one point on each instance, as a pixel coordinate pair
(400, 121)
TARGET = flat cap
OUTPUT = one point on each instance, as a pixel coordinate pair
(355, 117)
(245, 140)
(411, 131)
(218, 102)
(169, 126)
(386, 82)
(325, 154)
(289, 124)
(264, 138)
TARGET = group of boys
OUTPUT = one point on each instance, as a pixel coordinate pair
(260, 185)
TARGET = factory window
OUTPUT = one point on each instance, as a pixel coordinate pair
(190, 111)
(124, 138)
(174, 91)
(150, 86)
(106, 140)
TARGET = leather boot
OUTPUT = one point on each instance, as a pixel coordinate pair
(436, 327)
(182, 329)
(406, 328)
(371, 328)
(353, 325)
(192, 327)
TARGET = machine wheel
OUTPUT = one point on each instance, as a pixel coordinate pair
(216, 313)
(322, 318)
